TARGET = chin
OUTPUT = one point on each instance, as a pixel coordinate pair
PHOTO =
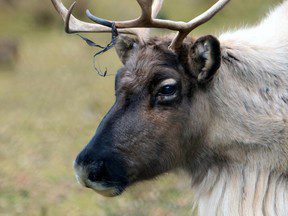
(109, 191)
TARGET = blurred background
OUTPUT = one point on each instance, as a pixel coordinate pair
(51, 101)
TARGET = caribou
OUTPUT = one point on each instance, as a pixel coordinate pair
(215, 107)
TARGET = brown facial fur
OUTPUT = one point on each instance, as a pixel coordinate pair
(148, 131)
(145, 66)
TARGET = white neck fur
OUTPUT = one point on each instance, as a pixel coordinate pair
(242, 191)
(259, 185)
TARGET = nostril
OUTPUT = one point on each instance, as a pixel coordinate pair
(97, 172)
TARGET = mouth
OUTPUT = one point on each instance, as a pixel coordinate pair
(103, 188)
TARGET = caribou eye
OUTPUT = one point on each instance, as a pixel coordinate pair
(169, 89)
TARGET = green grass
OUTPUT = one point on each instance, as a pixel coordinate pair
(52, 101)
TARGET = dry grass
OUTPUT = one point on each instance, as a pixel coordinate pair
(50, 105)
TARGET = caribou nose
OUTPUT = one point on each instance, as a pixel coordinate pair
(86, 157)
(94, 177)
(97, 172)
(89, 167)
(102, 172)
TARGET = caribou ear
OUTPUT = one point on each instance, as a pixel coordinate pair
(205, 58)
(125, 46)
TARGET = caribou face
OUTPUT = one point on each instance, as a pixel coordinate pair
(159, 117)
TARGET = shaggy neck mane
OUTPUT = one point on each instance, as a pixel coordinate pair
(242, 191)
(249, 110)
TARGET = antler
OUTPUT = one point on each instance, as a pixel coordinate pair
(147, 19)
(73, 25)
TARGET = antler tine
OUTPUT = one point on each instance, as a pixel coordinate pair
(156, 7)
(150, 10)
(146, 7)
(199, 20)
(145, 20)
(73, 25)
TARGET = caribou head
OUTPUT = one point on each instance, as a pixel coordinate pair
(159, 119)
